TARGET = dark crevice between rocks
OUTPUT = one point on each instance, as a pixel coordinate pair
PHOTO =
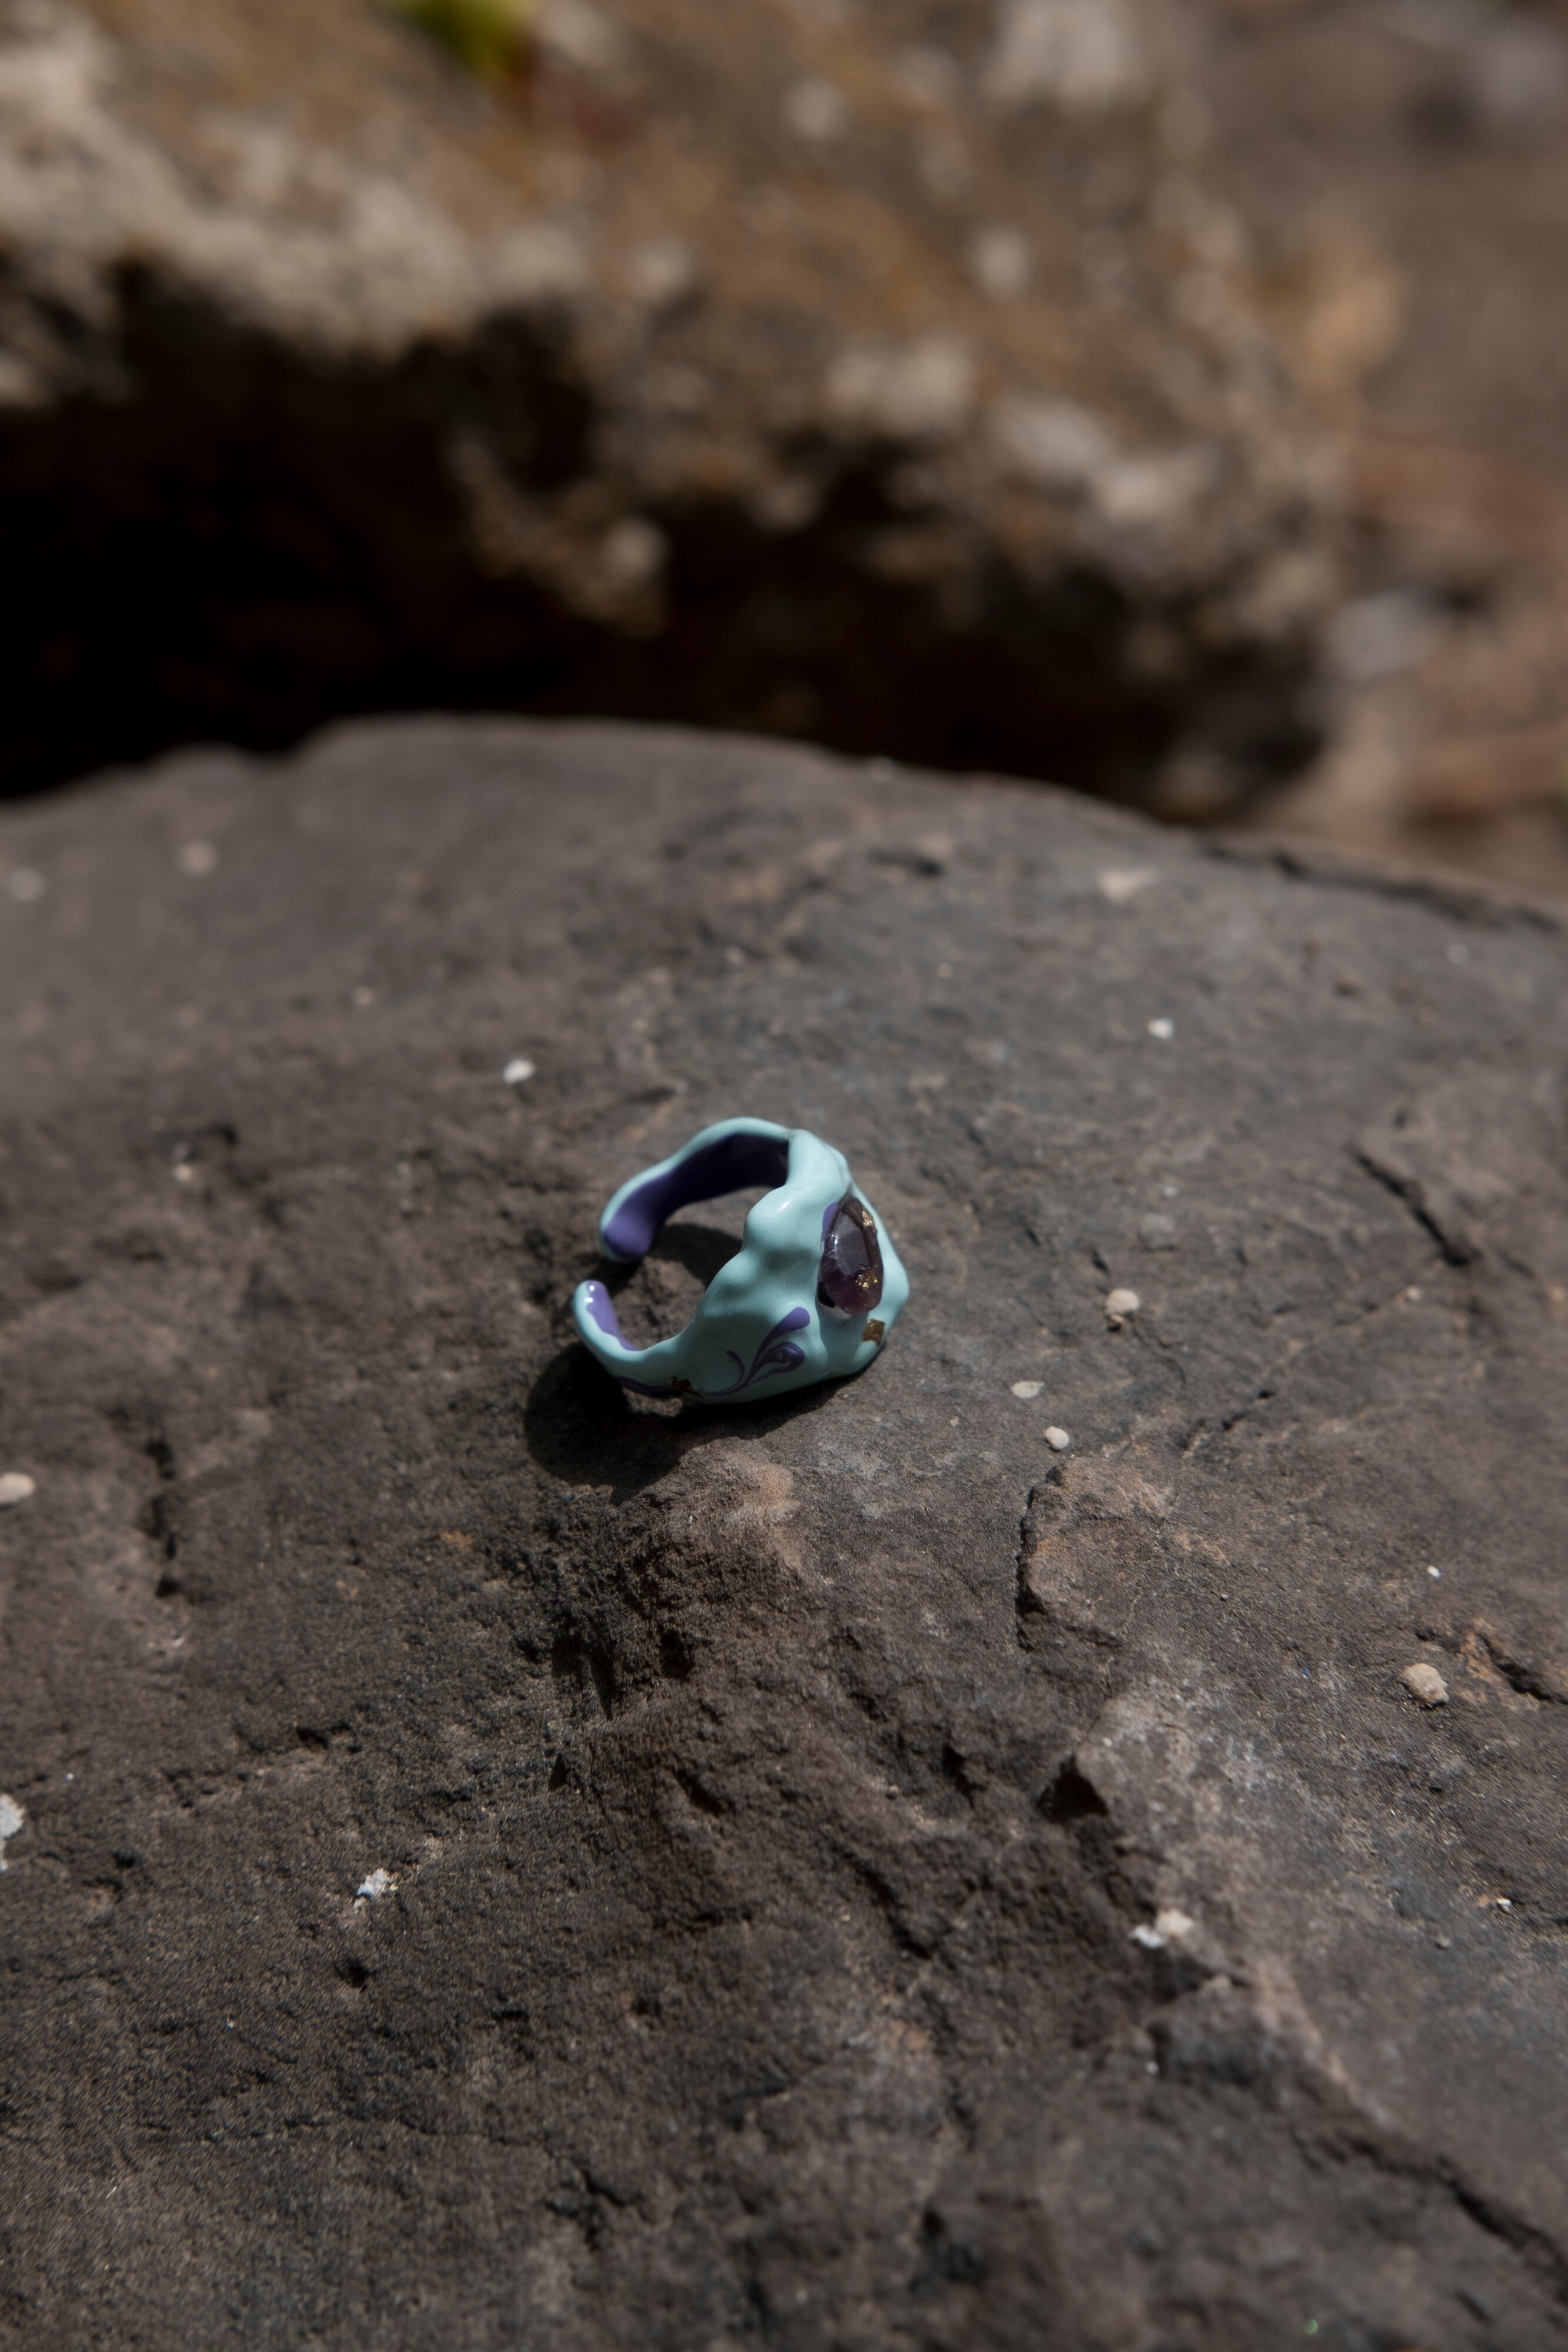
(1527, 1680)
(216, 538)
(1457, 1247)
(1071, 1798)
(1348, 2141)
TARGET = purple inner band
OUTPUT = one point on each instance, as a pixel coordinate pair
(601, 1312)
(733, 1164)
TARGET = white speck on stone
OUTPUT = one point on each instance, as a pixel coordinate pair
(11, 1820)
(1122, 1302)
(1156, 491)
(580, 35)
(24, 884)
(913, 391)
(1435, 1571)
(1121, 883)
(538, 262)
(1057, 1438)
(16, 1486)
(184, 1174)
(1164, 1029)
(1171, 1927)
(816, 111)
(1426, 1683)
(1505, 1903)
(1377, 637)
(1082, 55)
(633, 552)
(361, 996)
(518, 1072)
(788, 502)
(1027, 1390)
(1001, 261)
(661, 272)
(1051, 443)
(196, 858)
(372, 1889)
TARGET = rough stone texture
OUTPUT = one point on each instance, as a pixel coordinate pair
(889, 377)
(853, 1876)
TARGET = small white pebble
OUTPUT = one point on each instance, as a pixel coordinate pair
(1123, 1302)
(24, 885)
(633, 552)
(1057, 1438)
(816, 111)
(1001, 262)
(361, 996)
(1150, 1938)
(16, 1486)
(1505, 1903)
(1121, 884)
(1163, 1029)
(378, 1883)
(1175, 1925)
(661, 271)
(184, 1174)
(518, 1072)
(196, 857)
(11, 1820)
(1424, 1683)
(1027, 1389)
(1435, 1571)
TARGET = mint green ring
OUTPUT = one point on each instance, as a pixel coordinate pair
(769, 1320)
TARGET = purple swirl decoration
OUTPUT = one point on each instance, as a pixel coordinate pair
(776, 1354)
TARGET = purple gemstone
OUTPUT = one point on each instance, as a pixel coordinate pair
(850, 1276)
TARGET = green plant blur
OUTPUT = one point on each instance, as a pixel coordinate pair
(488, 36)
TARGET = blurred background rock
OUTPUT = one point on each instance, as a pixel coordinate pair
(1168, 401)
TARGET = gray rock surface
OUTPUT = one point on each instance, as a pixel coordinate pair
(501, 1865)
(889, 375)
